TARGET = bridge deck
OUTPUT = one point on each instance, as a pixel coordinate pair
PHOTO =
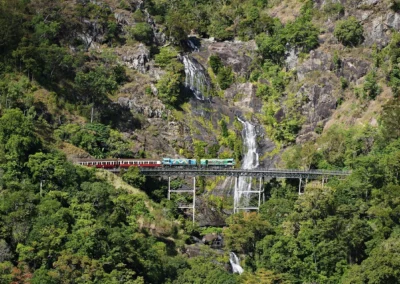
(277, 173)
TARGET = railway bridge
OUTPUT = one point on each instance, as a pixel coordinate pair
(260, 174)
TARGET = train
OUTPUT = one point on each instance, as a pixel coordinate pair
(155, 163)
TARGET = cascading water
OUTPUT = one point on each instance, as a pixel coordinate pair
(235, 263)
(196, 79)
(250, 161)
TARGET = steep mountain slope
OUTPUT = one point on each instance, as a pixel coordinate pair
(319, 80)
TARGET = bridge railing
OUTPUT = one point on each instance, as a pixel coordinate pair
(242, 172)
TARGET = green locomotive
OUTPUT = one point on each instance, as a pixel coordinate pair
(217, 163)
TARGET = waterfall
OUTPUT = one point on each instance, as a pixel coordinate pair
(250, 161)
(196, 79)
(235, 263)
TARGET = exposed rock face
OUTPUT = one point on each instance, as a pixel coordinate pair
(136, 57)
(234, 54)
(318, 109)
(123, 17)
(150, 111)
(291, 58)
(353, 69)
(159, 37)
(392, 20)
(92, 34)
(265, 145)
(209, 215)
(243, 96)
(138, 102)
(376, 32)
(210, 238)
(318, 61)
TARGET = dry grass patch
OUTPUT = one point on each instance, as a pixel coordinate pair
(71, 151)
(117, 181)
(354, 112)
(286, 10)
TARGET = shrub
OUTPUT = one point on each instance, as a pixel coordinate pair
(337, 62)
(331, 8)
(138, 16)
(395, 80)
(371, 88)
(224, 128)
(349, 32)
(215, 63)
(302, 33)
(395, 5)
(225, 77)
(169, 88)
(166, 56)
(344, 83)
(142, 32)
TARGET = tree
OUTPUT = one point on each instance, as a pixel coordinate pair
(166, 56)
(390, 120)
(271, 47)
(171, 84)
(50, 170)
(382, 266)
(215, 63)
(95, 85)
(244, 230)
(142, 32)
(264, 276)
(202, 270)
(134, 177)
(301, 33)
(225, 77)
(17, 138)
(349, 32)
(371, 87)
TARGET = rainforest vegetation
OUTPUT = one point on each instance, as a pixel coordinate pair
(62, 223)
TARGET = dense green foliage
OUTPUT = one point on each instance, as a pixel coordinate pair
(349, 32)
(224, 74)
(61, 223)
(344, 232)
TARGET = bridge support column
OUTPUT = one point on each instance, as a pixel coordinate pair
(236, 195)
(324, 180)
(248, 196)
(300, 180)
(194, 197)
(186, 191)
(261, 190)
(169, 188)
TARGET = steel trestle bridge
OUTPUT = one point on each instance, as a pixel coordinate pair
(266, 173)
(258, 174)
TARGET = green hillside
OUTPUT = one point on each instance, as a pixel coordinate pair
(319, 80)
